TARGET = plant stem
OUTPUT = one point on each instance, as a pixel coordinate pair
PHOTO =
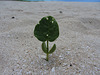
(47, 51)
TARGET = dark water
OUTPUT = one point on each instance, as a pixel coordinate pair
(67, 0)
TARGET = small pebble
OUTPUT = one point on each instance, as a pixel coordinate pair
(59, 63)
(43, 56)
(13, 69)
(60, 56)
(13, 17)
(53, 69)
(60, 11)
(70, 64)
(41, 68)
(64, 64)
(24, 60)
(16, 37)
(68, 52)
(32, 62)
(26, 52)
(24, 65)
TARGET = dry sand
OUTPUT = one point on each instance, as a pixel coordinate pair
(78, 46)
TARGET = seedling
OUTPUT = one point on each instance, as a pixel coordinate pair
(47, 31)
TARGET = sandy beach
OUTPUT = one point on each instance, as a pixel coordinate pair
(78, 45)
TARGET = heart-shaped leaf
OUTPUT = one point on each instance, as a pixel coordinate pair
(47, 29)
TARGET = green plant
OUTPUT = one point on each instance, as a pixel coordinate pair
(47, 30)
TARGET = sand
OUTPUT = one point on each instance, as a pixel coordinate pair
(78, 45)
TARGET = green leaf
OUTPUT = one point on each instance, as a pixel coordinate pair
(52, 49)
(44, 47)
(47, 29)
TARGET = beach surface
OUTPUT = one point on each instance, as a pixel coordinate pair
(78, 45)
